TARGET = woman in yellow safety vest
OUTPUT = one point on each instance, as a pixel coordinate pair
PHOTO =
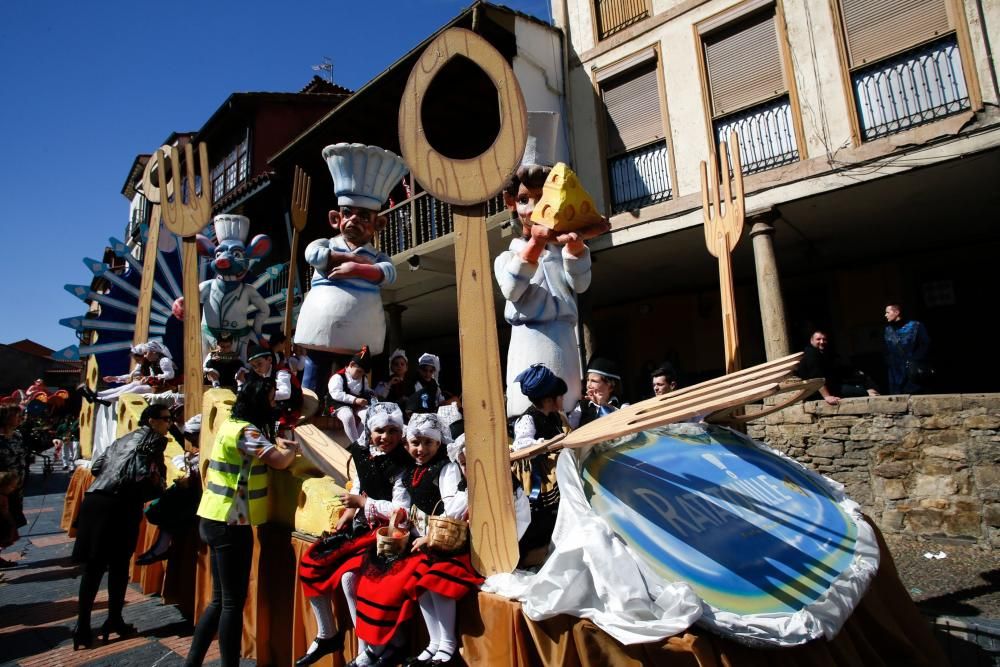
(235, 498)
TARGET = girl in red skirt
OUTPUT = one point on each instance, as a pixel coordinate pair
(390, 590)
(334, 561)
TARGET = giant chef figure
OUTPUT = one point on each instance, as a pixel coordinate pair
(541, 274)
(343, 309)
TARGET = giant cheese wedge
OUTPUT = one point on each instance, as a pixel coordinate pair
(565, 205)
(319, 507)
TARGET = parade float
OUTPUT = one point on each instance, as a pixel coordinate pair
(678, 541)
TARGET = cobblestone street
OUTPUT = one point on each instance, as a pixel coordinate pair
(38, 599)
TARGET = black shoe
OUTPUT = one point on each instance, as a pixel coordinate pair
(119, 627)
(417, 661)
(82, 637)
(151, 557)
(324, 647)
(86, 393)
(390, 657)
(370, 654)
(440, 661)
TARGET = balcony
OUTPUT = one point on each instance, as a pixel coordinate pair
(421, 219)
(639, 177)
(616, 15)
(913, 88)
(766, 132)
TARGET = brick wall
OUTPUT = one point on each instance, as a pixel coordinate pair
(927, 465)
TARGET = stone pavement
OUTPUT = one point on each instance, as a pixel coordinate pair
(38, 599)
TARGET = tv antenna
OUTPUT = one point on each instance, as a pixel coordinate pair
(326, 66)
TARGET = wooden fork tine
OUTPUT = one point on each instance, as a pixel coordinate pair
(305, 199)
(206, 187)
(714, 186)
(297, 188)
(727, 191)
(706, 205)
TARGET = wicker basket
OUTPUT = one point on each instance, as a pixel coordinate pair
(389, 540)
(444, 533)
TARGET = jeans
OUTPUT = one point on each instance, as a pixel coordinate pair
(231, 553)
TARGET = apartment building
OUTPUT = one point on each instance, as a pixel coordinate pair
(868, 135)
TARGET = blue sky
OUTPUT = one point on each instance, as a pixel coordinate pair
(88, 86)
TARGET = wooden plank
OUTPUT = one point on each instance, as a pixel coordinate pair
(324, 452)
(491, 504)
(215, 409)
(301, 187)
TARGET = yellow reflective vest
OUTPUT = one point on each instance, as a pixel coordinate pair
(224, 479)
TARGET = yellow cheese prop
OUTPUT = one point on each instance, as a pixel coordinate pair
(320, 506)
(565, 205)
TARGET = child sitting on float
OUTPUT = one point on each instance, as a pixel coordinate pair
(543, 420)
(429, 368)
(223, 363)
(377, 490)
(397, 387)
(392, 585)
(158, 357)
(604, 382)
(350, 392)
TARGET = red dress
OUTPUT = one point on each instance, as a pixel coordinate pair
(388, 589)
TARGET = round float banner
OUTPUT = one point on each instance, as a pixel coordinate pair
(750, 531)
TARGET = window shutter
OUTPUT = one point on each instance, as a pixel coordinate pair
(744, 64)
(879, 28)
(633, 105)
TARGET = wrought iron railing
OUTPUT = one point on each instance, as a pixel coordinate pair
(616, 15)
(639, 178)
(766, 133)
(420, 219)
(913, 88)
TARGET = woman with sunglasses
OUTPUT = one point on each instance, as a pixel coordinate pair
(129, 473)
(234, 500)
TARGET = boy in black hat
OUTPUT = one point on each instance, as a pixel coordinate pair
(350, 392)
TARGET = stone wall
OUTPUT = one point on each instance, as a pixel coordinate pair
(926, 465)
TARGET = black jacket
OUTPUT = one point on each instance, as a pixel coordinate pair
(133, 465)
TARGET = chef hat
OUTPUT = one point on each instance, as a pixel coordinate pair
(363, 176)
(231, 228)
(543, 129)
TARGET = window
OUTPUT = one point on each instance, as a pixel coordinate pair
(615, 15)
(233, 170)
(906, 67)
(748, 86)
(638, 162)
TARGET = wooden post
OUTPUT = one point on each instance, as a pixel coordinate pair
(186, 214)
(467, 184)
(723, 228)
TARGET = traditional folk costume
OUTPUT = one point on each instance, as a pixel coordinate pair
(538, 475)
(587, 410)
(162, 381)
(333, 562)
(339, 315)
(223, 366)
(392, 587)
(541, 303)
(397, 392)
(344, 390)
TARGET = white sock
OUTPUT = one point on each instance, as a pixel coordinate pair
(325, 626)
(427, 611)
(444, 610)
(349, 584)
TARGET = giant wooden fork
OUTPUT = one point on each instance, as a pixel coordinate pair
(186, 214)
(301, 186)
(723, 228)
